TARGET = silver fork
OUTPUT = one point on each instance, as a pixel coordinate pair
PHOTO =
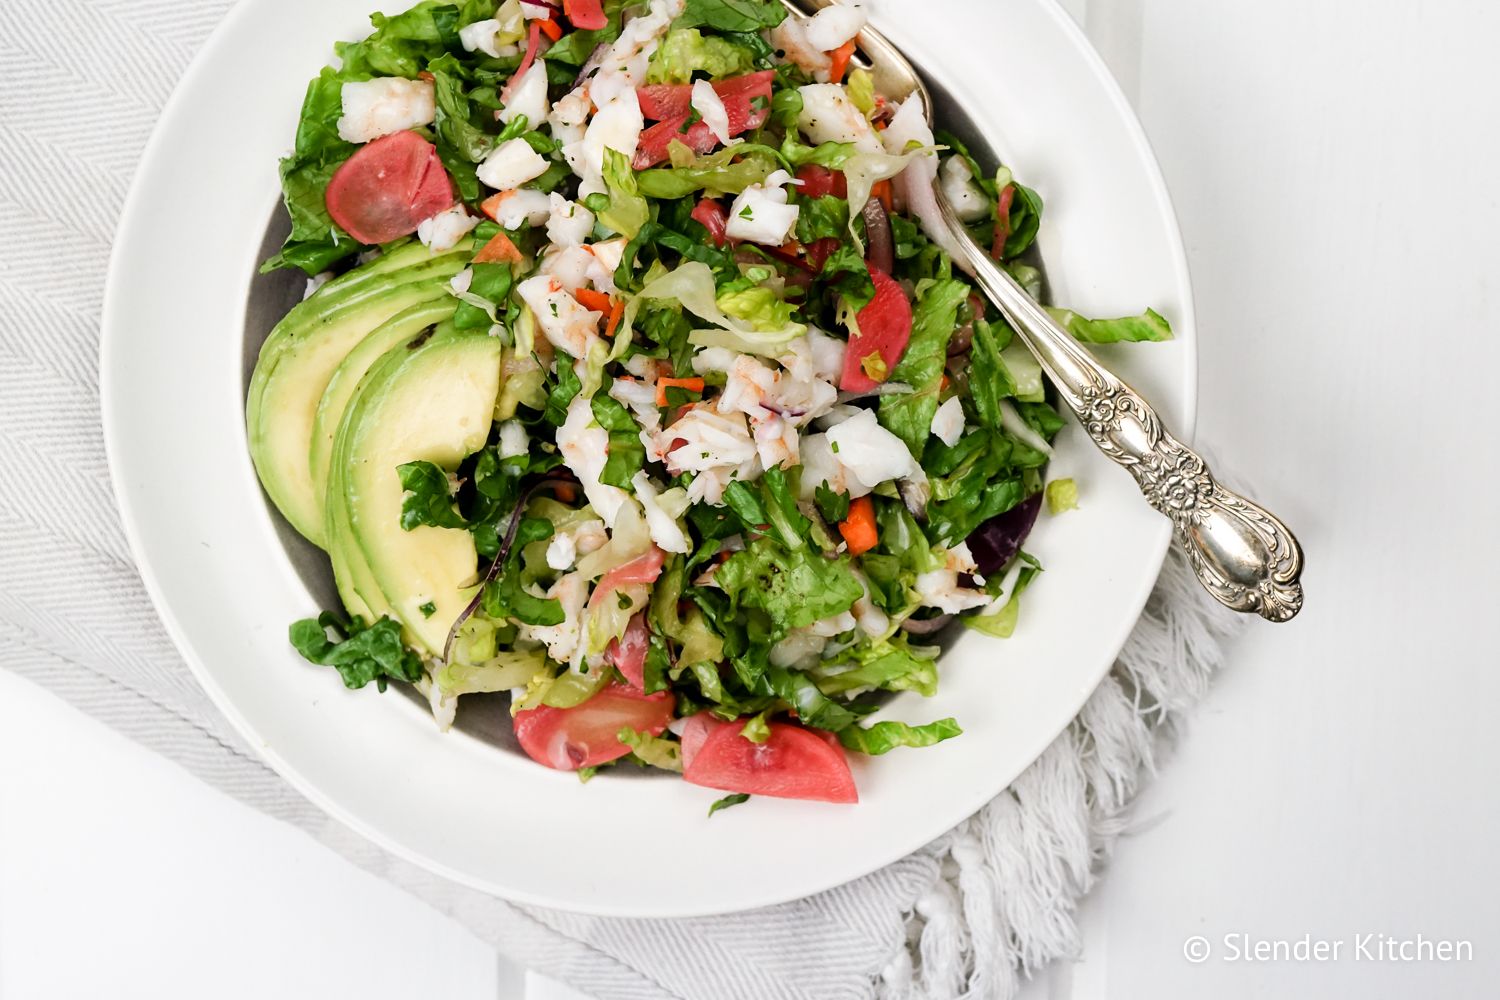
(1242, 553)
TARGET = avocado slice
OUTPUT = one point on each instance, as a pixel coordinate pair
(429, 398)
(300, 356)
(399, 329)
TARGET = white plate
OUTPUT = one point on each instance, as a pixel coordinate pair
(226, 589)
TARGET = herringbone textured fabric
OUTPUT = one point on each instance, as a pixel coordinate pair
(81, 85)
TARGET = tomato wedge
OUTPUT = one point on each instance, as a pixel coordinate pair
(587, 15)
(586, 735)
(670, 105)
(884, 329)
(388, 186)
(662, 102)
(820, 181)
(628, 653)
(714, 217)
(695, 730)
(793, 763)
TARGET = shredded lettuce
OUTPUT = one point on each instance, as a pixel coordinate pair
(654, 750)
(885, 736)
(1148, 326)
(506, 670)
(713, 173)
(692, 286)
(686, 51)
(627, 211)
(792, 587)
(861, 89)
(890, 665)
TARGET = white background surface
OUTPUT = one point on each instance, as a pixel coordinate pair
(1333, 170)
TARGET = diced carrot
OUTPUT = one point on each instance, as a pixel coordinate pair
(884, 192)
(499, 250)
(858, 528)
(694, 384)
(426, 76)
(565, 492)
(551, 28)
(590, 299)
(943, 386)
(491, 205)
(840, 63)
(615, 312)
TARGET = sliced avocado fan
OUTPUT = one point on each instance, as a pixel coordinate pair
(427, 398)
(302, 353)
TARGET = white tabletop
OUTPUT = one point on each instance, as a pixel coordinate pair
(1333, 167)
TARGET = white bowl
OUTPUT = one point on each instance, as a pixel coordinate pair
(226, 588)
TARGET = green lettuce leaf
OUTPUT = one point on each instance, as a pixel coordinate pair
(793, 587)
(492, 284)
(686, 51)
(820, 218)
(1148, 326)
(729, 800)
(567, 386)
(989, 380)
(732, 15)
(505, 670)
(890, 665)
(885, 736)
(654, 750)
(505, 597)
(626, 453)
(461, 144)
(402, 44)
(627, 211)
(360, 653)
(428, 500)
(760, 306)
(713, 174)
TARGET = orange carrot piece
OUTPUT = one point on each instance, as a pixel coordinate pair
(552, 29)
(840, 57)
(858, 528)
(499, 250)
(694, 384)
(615, 312)
(883, 191)
(491, 205)
(597, 301)
(565, 492)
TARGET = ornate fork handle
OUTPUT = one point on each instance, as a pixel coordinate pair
(1242, 553)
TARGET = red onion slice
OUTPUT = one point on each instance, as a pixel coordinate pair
(880, 246)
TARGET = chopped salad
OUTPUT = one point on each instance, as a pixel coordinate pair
(635, 379)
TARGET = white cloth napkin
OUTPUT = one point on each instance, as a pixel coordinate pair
(80, 86)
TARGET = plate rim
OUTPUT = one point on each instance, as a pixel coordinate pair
(131, 219)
